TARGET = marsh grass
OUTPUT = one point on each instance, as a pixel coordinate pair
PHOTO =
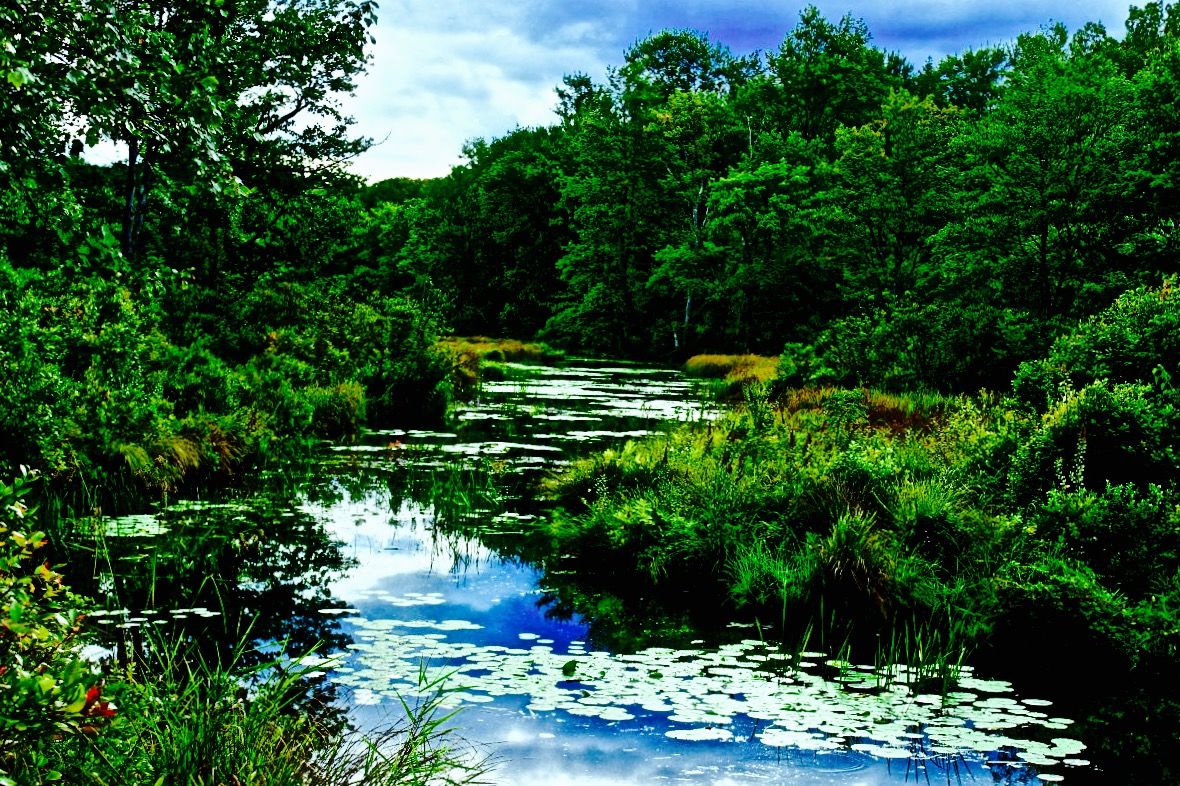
(180, 708)
(727, 377)
(849, 503)
(470, 357)
(734, 368)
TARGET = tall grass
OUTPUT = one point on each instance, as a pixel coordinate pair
(728, 376)
(182, 720)
(470, 357)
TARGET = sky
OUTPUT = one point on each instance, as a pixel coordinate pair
(447, 71)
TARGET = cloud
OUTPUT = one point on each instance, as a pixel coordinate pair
(447, 71)
(443, 74)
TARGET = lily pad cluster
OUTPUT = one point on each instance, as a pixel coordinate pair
(789, 700)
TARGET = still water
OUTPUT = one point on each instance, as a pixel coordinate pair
(411, 574)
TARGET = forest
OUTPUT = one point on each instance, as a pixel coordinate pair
(962, 274)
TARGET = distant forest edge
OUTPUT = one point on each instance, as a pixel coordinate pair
(229, 292)
(892, 225)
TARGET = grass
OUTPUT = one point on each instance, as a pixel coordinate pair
(729, 375)
(178, 719)
(732, 368)
(473, 356)
(916, 530)
(851, 500)
(169, 711)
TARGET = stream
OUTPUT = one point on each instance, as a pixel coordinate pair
(400, 557)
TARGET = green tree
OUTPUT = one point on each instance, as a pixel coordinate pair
(971, 80)
(890, 174)
(829, 74)
(1043, 194)
(1157, 179)
(779, 281)
(701, 139)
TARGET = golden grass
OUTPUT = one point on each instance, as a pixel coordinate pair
(800, 399)
(733, 368)
(469, 353)
(497, 349)
(895, 412)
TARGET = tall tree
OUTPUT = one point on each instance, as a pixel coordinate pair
(778, 280)
(611, 196)
(890, 173)
(1157, 122)
(830, 74)
(971, 80)
(1044, 203)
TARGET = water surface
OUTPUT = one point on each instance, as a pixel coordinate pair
(398, 553)
(428, 600)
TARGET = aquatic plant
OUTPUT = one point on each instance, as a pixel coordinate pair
(173, 710)
(184, 720)
(796, 699)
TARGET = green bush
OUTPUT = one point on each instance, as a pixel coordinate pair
(46, 690)
(1135, 340)
(1130, 537)
(1103, 433)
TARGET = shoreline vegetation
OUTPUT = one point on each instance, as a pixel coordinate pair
(899, 237)
(952, 526)
(166, 716)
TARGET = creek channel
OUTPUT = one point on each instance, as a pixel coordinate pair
(400, 557)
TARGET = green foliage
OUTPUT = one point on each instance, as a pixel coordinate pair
(822, 501)
(188, 722)
(1109, 404)
(46, 690)
(1101, 434)
(178, 716)
(831, 76)
(1129, 537)
(904, 229)
(198, 307)
(906, 511)
(1135, 340)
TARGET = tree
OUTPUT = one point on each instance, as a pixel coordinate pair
(202, 95)
(971, 80)
(778, 280)
(1157, 181)
(1043, 197)
(684, 61)
(701, 138)
(829, 74)
(611, 196)
(1151, 30)
(890, 173)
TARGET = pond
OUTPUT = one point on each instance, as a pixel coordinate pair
(402, 555)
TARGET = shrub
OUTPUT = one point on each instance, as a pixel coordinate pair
(1129, 536)
(46, 691)
(1135, 340)
(1103, 433)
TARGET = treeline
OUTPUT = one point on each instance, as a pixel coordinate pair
(227, 285)
(890, 224)
(196, 307)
